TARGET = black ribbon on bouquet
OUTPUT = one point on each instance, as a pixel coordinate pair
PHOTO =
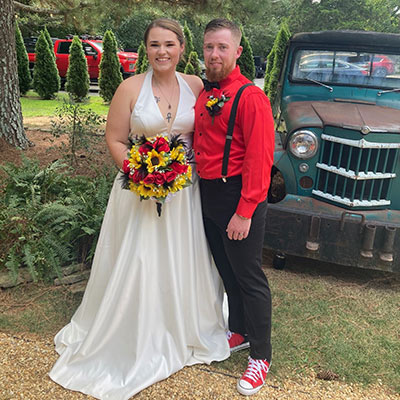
(159, 208)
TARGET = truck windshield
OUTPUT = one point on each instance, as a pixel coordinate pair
(376, 70)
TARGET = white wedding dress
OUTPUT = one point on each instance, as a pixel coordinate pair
(153, 303)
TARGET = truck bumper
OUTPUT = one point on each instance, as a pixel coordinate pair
(307, 227)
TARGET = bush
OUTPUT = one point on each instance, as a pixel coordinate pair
(110, 75)
(24, 75)
(193, 65)
(142, 58)
(82, 127)
(246, 59)
(46, 80)
(188, 49)
(49, 218)
(78, 82)
(275, 61)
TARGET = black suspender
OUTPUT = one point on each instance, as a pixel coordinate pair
(229, 133)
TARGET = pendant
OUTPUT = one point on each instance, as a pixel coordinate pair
(168, 117)
(169, 106)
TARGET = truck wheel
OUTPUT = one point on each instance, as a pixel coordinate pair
(279, 261)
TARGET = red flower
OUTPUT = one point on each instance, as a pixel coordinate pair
(149, 179)
(170, 176)
(145, 148)
(179, 168)
(161, 145)
(159, 178)
(137, 177)
(125, 167)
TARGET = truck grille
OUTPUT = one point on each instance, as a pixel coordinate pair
(356, 173)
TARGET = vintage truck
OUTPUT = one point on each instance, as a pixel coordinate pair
(93, 49)
(335, 191)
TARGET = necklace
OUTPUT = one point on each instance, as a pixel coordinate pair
(166, 98)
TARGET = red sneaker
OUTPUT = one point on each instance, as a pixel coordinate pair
(237, 341)
(254, 377)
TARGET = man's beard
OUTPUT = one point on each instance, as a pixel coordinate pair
(216, 76)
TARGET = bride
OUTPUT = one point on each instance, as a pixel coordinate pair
(153, 303)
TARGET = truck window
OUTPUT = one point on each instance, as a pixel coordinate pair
(63, 47)
(354, 68)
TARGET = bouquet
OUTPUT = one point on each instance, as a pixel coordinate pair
(157, 167)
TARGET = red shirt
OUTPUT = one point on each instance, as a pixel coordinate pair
(252, 149)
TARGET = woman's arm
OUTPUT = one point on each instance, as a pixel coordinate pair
(119, 115)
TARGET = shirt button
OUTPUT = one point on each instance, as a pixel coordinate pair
(198, 153)
(201, 114)
(200, 134)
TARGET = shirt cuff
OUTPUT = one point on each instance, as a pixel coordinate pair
(246, 208)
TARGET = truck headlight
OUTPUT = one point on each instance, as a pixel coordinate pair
(303, 144)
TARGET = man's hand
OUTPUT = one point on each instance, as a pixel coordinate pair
(238, 227)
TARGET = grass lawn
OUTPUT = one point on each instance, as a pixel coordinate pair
(325, 318)
(34, 106)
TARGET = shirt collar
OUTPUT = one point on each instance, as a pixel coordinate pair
(230, 78)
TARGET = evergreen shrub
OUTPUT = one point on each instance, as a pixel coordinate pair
(46, 80)
(141, 57)
(246, 59)
(78, 82)
(24, 75)
(110, 75)
(189, 47)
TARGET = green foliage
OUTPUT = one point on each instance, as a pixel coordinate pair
(110, 69)
(80, 125)
(144, 65)
(246, 59)
(49, 41)
(49, 218)
(275, 61)
(141, 57)
(193, 65)
(188, 48)
(46, 80)
(78, 82)
(24, 75)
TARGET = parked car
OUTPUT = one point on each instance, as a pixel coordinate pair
(382, 65)
(93, 49)
(335, 191)
(260, 65)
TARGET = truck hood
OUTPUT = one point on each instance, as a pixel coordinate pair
(127, 54)
(360, 117)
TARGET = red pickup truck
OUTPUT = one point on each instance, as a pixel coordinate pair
(93, 49)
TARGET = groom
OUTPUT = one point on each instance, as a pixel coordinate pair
(235, 176)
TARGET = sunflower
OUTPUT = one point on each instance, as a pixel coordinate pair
(155, 160)
(178, 153)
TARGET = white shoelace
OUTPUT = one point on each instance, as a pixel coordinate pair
(254, 370)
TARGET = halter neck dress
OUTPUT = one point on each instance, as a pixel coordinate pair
(153, 303)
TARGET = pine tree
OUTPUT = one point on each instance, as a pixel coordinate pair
(78, 82)
(24, 75)
(46, 80)
(145, 65)
(110, 75)
(189, 47)
(246, 60)
(193, 65)
(49, 41)
(141, 56)
(275, 60)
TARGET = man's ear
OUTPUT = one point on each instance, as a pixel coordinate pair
(239, 52)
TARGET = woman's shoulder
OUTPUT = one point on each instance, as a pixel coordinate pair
(194, 82)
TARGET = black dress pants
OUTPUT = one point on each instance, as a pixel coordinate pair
(239, 263)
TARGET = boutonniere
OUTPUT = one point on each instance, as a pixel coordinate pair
(214, 105)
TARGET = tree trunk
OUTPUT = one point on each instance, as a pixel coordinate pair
(11, 125)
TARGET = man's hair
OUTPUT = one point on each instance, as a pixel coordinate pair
(222, 23)
(165, 23)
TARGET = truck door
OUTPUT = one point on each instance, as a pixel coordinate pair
(62, 55)
(93, 57)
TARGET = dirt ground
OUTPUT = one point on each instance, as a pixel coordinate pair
(26, 359)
